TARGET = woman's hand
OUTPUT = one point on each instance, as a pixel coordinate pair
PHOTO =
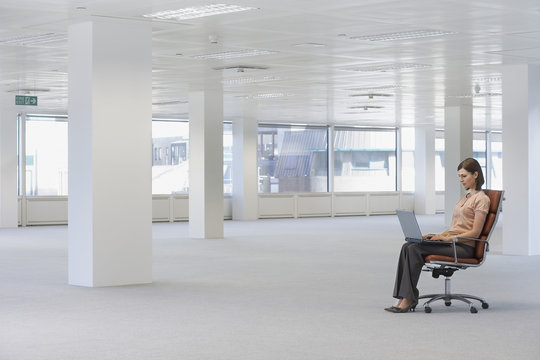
(439, 237)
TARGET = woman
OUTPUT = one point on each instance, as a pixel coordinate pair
(467, 221)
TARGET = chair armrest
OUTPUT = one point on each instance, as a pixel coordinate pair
(456, 239)
(473, 239)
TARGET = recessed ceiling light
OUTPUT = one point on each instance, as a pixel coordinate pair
(198, 12)
(404, 35)
(170, 102)
(241, 68)
(250, 80)
(29, 90)
(366, 107)
(34, 39)
(388, 67)
(490, 79)
(266, 96)
(376, 87)
(234, 54)
(372, 95)
(310, 44)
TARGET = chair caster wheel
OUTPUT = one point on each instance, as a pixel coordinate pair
(447, 303)
(485, 305)
(473, 310)
(427, 309)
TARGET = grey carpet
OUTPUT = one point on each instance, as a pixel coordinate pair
(272, 289)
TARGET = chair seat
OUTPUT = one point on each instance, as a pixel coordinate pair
(471, 261)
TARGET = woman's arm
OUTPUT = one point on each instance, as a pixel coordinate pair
(478, 224)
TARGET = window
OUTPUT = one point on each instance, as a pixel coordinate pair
(227, 158)
(170, 165)
(495, 166)
(46, 139)
(480, 151)
(408, 137)
(170, 161)
(439, 161)
(364, 160)
(292, 159)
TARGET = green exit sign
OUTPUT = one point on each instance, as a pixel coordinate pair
(25, 100)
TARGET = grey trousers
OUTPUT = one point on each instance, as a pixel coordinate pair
(411, 261)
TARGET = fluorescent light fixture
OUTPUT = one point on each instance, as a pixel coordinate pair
(404, 35)
(366, 107)
(376, 87)
(372, 95)
(170, 102)
(388, 67)
(34, 39)
(198, 12)
(490, 79)
(310, 44)
(266, 96)
(250, 80)
(234, 54)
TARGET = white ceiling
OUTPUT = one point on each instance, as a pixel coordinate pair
(300, 82)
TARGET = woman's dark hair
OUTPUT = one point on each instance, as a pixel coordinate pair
(472, 166)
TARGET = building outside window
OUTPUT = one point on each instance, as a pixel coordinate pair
(439, 161)
(227, 158)
(292, 159)
(408, 178)
(495, 167)
(170, 161)
(364, 160)
(46, 147)
(487, 149)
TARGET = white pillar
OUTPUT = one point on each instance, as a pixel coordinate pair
(206, 205)
(521, 159)
(245, 198)
(458, 136)
(110, 137)
(8, 165)
(424, 166)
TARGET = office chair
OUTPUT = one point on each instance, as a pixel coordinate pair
(446, 266)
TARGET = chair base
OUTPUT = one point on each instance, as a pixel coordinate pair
(448, 297)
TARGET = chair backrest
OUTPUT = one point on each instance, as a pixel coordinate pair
(495, 205)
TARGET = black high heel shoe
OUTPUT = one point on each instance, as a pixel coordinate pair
(395, 309)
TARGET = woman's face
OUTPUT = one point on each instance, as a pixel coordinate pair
(467, 179)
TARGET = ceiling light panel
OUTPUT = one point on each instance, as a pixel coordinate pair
(234, 54)
(404, 35)
(250, 80)
(34, 39)
(198, 12)
(388, 67)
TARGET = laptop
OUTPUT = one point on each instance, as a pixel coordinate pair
(411, 230)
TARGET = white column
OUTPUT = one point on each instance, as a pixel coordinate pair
(245, 198)
(458, 135)
(206, 205)
(110, 137)
(424, 166)
(521, 159)
(8, 165)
